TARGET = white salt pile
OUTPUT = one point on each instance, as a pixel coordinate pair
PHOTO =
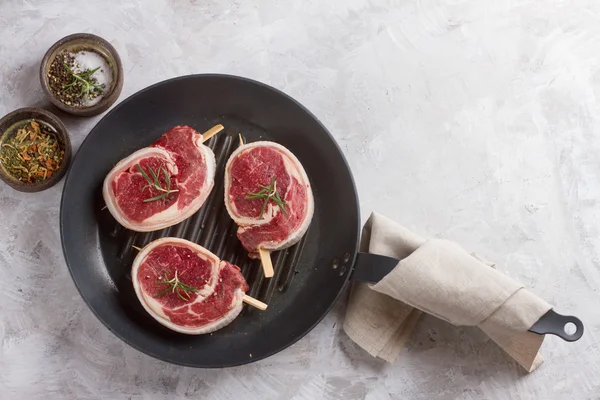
(88, 60)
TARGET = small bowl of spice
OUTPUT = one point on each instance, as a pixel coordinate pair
(35, 149)
(82, 74)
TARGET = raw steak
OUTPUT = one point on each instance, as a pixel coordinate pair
(281, 220)
(181, 164)
(211, 293)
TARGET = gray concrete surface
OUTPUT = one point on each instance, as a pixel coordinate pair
(477, 121)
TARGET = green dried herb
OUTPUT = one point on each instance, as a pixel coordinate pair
(32, 154)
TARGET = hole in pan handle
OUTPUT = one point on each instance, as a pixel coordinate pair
(372, 268)
(555, 324)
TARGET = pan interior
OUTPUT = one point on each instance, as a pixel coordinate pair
(308, 276)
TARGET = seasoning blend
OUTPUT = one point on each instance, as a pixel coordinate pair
(30, 151)
(35, 149)
(82, 74)
(79, 79)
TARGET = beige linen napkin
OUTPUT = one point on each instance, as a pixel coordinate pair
(438, 277)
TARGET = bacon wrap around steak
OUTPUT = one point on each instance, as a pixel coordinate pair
(262, 163)
(219, 286)
(190, 166)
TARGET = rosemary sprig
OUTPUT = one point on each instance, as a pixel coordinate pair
(86, 83)
(155, 183)
(176, 286)
(268, 193)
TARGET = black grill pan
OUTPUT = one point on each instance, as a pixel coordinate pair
(308, 276)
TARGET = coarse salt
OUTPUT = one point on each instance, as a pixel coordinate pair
(88, 60)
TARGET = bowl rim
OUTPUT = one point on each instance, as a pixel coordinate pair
(26, 113)
(106, 100)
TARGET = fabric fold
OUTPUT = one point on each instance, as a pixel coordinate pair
(376, 322)
(442, 279)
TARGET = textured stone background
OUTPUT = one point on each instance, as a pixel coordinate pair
(471, 120)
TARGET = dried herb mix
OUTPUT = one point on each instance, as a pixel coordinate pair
(31, 152)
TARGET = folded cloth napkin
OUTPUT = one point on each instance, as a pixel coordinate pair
(442, 279)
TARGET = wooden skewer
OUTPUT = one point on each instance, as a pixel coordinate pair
(241, 139)
(246, 299)
(267, 264)
(254, 303)
(212, 132)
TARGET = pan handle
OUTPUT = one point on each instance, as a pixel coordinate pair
(554, 323)
(372, 268)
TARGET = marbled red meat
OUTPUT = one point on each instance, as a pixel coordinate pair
(190, 167)
(218, 286)
(267, 164)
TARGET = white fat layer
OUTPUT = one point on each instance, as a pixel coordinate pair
(155, 309)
